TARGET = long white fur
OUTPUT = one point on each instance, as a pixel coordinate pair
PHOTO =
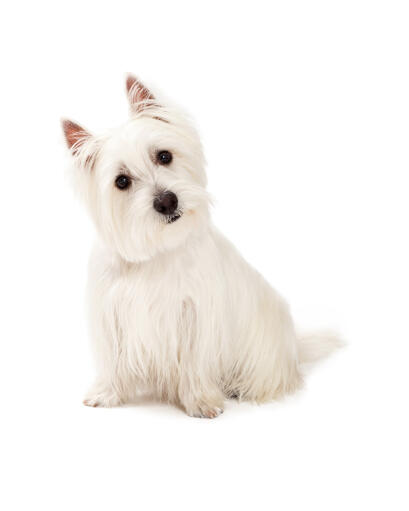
(174, 308)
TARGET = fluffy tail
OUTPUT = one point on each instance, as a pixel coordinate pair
(312, 348)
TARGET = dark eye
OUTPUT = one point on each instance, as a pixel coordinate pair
(122, 182)
(164, 157)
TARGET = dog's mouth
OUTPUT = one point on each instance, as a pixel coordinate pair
(173, 218)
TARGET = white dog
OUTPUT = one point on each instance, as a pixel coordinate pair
(174, 308)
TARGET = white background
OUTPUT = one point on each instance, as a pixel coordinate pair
(304, 112)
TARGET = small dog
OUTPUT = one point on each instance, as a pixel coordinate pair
(174, 308)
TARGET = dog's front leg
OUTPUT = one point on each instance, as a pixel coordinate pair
(103, 393)
(110, 387)
(198, 391)
(198, 396)
(112, 384)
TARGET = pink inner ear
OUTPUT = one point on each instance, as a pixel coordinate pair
(137, 92)
(74, 134)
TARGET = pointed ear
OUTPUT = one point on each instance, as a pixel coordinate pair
(75, 135)
(138, 95)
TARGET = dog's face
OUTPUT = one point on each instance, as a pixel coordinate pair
(144, 183)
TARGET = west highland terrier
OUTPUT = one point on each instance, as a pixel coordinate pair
(174, 308)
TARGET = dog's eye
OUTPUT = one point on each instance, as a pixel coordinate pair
(164, 157)
(122, 182)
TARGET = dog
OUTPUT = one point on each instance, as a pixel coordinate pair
(174, 309)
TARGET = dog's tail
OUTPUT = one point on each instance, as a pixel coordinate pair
(312, 348)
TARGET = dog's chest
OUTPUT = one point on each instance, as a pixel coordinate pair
(148, 302)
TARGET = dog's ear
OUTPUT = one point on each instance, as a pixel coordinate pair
(139, 96)
(75, 135)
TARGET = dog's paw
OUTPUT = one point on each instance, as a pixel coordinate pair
(102, 397)
(206, 412)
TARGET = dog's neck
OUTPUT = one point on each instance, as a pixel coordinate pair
(170, 257)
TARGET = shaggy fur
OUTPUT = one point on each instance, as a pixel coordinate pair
(174, 308)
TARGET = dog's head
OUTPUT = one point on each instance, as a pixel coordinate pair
(144, 182)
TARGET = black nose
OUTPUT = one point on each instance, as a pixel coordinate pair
(166, 203)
